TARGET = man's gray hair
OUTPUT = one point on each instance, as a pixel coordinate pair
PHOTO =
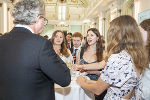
(26, 11)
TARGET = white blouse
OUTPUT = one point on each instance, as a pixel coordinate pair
(67, 59)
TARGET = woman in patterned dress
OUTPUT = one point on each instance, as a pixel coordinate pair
(126, 61)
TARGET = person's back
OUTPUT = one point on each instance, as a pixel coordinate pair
(20, 73)
(29, 65)
(145, 30)
(126, 60)
(121, 64)
(25, 73)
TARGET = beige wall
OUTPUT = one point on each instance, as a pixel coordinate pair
(144, 5)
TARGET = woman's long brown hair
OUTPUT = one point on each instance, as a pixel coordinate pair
(124, 34)
(99, 47)
(146, 26)
(63, 50)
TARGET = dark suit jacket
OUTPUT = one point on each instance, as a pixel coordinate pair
(29, 67)
(71, 50)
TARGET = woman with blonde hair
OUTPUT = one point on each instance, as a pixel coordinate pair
(126, 61)
(58, 41)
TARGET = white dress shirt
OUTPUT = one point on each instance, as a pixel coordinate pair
(25, 26)
(78, 49)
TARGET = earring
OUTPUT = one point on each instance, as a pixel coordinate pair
(97, 40)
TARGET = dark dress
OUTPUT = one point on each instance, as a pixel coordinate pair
(92, 76)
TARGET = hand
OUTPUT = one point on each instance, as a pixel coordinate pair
(81, 80)
(77, 67)
(74, 66)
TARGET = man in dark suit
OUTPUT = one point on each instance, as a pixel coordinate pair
(29, 67)
(76, 39)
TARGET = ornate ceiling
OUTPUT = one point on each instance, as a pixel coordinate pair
(83, 3)
(73, 9)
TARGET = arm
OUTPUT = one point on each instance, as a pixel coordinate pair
(96, 87)
(70, 57)
(90, 81)
(93, 66)
(69, 60)
(52, 65)
(93, 72)
(78, 58)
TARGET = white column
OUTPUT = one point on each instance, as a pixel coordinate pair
(137, 8)
(101, 15)
(1, 17)
(4, 18)
(100, 25)
(83, 30)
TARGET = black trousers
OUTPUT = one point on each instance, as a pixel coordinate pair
(101, 96)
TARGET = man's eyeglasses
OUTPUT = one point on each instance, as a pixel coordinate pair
(45, 20)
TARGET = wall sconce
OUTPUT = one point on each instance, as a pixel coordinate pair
(104, 18)
(0, 4)
(119, 11)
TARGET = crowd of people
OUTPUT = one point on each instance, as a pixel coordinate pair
(126, 61)
(30, 64)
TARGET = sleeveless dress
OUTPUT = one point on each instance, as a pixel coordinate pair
(92, 76)
(82, 61)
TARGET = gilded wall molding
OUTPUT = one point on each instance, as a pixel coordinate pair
(1, 4)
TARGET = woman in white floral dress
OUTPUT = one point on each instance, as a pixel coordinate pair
(126, 61)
